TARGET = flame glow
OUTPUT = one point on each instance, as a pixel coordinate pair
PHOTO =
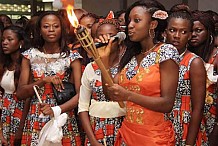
(72, 17)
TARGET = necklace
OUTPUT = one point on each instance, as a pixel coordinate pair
(144, 53)
(183, 53)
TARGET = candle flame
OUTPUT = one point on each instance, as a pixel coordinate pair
(72, 17)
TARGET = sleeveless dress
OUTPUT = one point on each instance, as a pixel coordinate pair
(105, 116)
(182, 109)
(11, 107)
(141, 126)
(43, 65)
(211, 96)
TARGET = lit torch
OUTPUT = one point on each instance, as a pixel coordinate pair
(87, 43)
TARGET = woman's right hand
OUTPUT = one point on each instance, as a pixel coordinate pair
(55, 80)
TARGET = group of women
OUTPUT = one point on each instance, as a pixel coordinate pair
(165, 72)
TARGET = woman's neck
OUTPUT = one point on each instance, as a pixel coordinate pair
(14, 60)
(114, 59)
(50, 48)
(147, 45)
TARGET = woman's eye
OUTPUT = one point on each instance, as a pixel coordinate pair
(45, 26)
(183, 32)
(136, 20)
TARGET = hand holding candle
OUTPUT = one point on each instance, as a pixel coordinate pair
(87, 43)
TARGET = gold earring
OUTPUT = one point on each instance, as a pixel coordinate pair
(151, 33)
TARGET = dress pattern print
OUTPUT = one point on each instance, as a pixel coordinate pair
(182, 109)
(103, 128)
(43, 65)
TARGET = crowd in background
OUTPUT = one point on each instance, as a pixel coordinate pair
(165, 71)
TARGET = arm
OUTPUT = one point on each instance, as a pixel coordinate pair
(84, 103)
(169, 72)
(76, 78)
(25, 90)
(198, 93)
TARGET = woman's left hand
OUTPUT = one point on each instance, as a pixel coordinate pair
(117, 93)
(46, 109)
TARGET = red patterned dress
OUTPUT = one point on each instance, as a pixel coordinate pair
(211, 97)
(182, 110)
(105, 116)
(11, 107)
(43, 65)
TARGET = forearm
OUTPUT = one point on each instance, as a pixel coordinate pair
(69, 105)
(194, 127)
(87, 127)
(26, 91)
(158, 104)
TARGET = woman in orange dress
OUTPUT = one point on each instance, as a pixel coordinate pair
(188, 108)
(148, 79)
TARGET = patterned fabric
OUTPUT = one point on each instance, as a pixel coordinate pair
(92, 89)
(142, 126)
(11, 115)
(182, 110)
(210, 102)
(43, 65)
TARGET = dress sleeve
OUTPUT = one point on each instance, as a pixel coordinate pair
(85, 89)
(28, 53)
(168, 51)
(74, 55)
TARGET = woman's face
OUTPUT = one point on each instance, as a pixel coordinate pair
(87, 22)
(139, 24)
(6, 21)
(51, 28)
(178, 32)
(10, 42)
(199, 34)
(106, 29)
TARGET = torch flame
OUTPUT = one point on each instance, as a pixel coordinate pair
(72, 17)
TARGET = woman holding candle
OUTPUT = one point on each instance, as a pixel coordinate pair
(101, 118)
(50, 62)
(148, 78)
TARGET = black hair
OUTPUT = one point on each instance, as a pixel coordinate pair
(181, 11)
(208, 22)
(39, 41)
(134, 48)
(6, 58)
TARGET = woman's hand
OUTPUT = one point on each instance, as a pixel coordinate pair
(105, 51)
(55, 80)
(46, 109)
(117, 93)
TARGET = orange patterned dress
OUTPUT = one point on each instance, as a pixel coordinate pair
(43, 65)
(182, 109)
(141, 126)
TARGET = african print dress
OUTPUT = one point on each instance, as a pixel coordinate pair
(211, 96)
(43, 65)
(182, 109)
(105, 116)
(11, 107)
(141, 126)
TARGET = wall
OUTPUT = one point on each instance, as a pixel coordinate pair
(102, 7)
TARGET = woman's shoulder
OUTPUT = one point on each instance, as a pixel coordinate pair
(168, 51)
(31, 52)
(74, 54)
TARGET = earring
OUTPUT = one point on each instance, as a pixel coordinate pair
(31, 35)
(211, 39)
(20, 47)
(151, 33)
(164, 39)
